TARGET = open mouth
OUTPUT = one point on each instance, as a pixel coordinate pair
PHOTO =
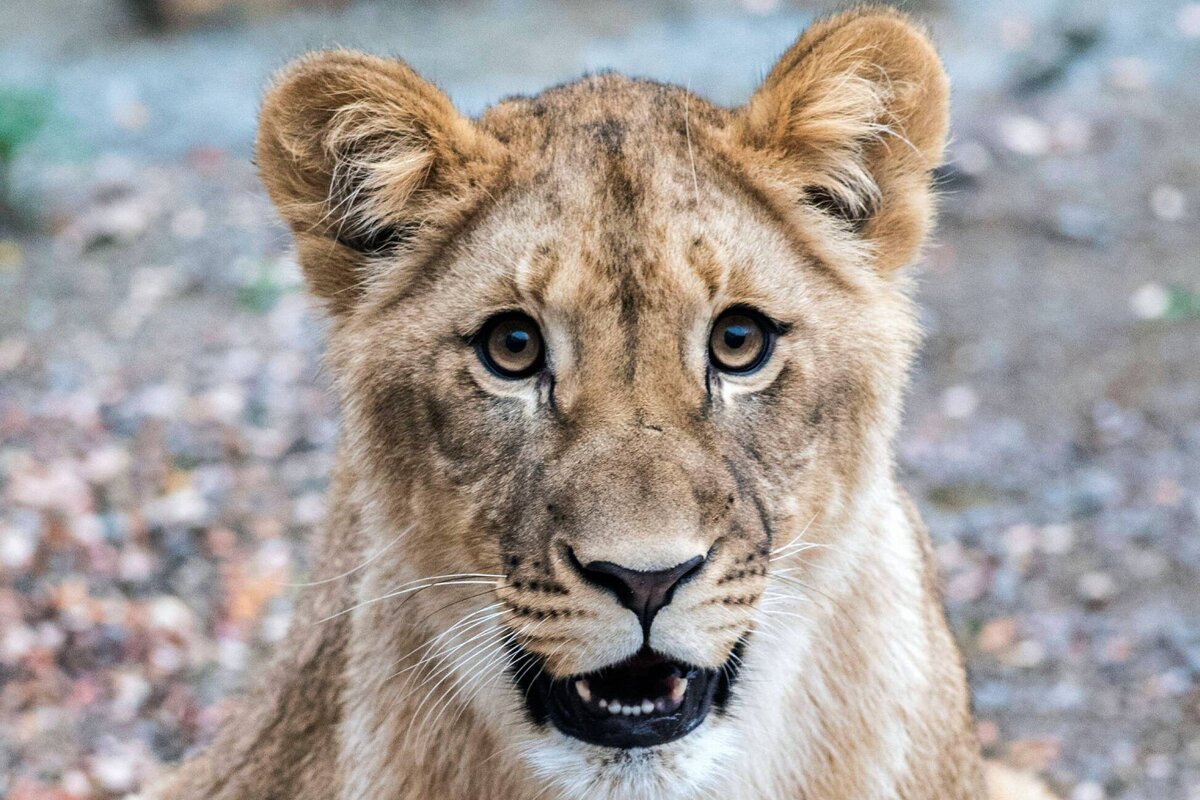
(644, 701)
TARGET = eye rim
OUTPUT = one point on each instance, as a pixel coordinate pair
(771, 330)
(479, 342)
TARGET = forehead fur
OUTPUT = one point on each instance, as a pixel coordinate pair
(616, 131)
(623, 196)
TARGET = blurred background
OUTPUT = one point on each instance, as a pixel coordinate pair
(166, 431)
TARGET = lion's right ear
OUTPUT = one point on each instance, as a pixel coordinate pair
(366, 161)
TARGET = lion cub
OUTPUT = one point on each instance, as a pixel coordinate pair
(615, 514)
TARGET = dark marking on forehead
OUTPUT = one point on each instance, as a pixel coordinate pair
(622, 256)
(704, 263)
(621, 190)
(609, 133)
(543, 266)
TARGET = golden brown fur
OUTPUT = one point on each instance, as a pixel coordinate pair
(622, 215)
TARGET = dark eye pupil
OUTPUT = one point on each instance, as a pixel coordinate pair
(511, 346)
(736, 336)
(740, 342)
(516, 341)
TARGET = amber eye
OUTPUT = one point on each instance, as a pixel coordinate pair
(510, 345)
(741, 341)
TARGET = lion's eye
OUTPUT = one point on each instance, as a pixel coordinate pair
(740, 342)
(510, 345)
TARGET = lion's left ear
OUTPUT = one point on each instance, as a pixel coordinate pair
(853, 121)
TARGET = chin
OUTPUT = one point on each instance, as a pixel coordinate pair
(647, 728)
(682, 769)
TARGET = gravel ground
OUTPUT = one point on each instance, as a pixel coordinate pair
(165, 433)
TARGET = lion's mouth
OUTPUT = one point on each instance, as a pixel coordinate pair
(644, 701)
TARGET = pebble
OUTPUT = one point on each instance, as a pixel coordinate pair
(1027, 654)
(115, 773)
(1096, 588)
(1025, 136)
(1088, 790)
(1168, 203)
(997, 635)
(959, 402)
(1056, 540)
(1020, 541)
(972, 158)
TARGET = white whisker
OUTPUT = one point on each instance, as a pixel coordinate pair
(402, 592)
(798, 536)
(350, 572)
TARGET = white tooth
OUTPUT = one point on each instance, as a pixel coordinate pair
(660, 705)
(604, 704)
(637, 711)
(614, 708)
(647, 706)
(679, 689)
(584, 690)
(630, 711)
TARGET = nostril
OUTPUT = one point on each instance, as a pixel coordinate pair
(643, 593)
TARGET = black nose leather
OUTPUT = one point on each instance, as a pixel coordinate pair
(643, 593)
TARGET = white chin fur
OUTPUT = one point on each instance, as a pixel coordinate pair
(680, 770)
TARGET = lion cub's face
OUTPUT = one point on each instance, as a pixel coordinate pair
(608, 350)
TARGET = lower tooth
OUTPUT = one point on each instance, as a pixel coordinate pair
(679, 690)
(647, 706)
(584, 690)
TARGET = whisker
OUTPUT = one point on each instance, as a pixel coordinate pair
(443, 652)
(804, 547)
(442, 608)
(687, 129)
(798, 536)
(446, 670)
(461, 622)
(447, 695)
(501, 657)
(402, 592)
(350, 572)
(807, 588)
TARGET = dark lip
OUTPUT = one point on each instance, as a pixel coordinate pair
(557, 702)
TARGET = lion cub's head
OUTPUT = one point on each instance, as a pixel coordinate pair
(608, 351)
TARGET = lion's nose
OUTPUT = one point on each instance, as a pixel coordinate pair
(643, 593)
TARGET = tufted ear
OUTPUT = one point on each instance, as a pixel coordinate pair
(853, 120)
(366, 161)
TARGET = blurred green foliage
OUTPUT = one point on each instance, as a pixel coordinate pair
(23, 113)
(262, 290)
(1182, 304)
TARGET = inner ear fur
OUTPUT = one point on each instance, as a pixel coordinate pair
(853, 120)
(363, 159)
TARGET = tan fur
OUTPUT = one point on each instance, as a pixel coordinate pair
(623, 216)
